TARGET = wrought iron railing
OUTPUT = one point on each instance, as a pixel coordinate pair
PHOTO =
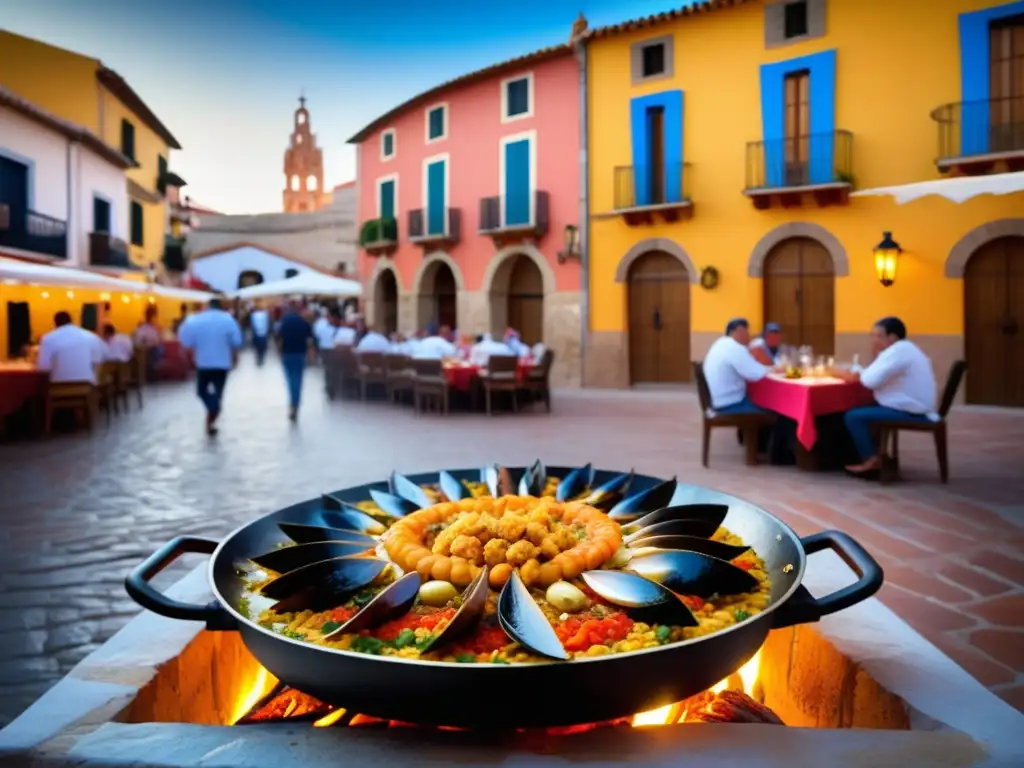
(661, 184)
(105, 250)
(437, 224)
(515, 212)
(987, 127)
(800, 161)
(32, 231)
(175, 255)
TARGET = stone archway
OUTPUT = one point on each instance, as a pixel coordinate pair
(385, 302)
(656, 245)
(798, 229)
(956, 262)
(436, 287)
(517, 283)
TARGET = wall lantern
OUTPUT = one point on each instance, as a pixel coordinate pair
(572, 244)
(887, 257)
(709, 278)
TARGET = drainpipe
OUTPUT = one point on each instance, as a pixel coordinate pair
(69, 237)
(581, 60)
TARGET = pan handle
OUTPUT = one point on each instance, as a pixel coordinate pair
(142, 592)
(804, 607)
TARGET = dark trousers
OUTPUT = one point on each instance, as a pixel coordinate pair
(259, 343)
(210, 388)
(294, 367)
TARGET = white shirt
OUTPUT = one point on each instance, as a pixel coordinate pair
(146, 335)
(320, 326)
(728, 366)
(434, 348)
(212, 335)
(120, 348)
(374, 342)
(407, 347)
(343, 336)
(325, 335)
(259, 321)
(71, 353)
(519, 349)
(481, 352)
(901, 377)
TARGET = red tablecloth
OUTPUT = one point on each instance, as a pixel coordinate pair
(804, 399)
(173, 362)
(18, 387)
(461, 376)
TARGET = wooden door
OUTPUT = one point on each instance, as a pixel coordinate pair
(444, 296)
(994, 323)
(387, 303)
(526, 301)
(1006, 85)
(797, 127)
(799, 293)
(659, 320)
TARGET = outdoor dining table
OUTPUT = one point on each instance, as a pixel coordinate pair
(460, 376)
(20, 383)
(172, 362)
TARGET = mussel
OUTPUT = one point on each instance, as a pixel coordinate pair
(474, 603)
(534, 480)
(340, 514)
(639, 504)
(649, 599)
(575, 483)
(692, 573)
(708, 512)
(703, 528)
(393, 601)
(524, 621)
(493, 480)
(405, 488)
(323, 584)
(308, 534)
(286, 559)
(710, 547)
(394, 506)
(609, 492)
(453, 488)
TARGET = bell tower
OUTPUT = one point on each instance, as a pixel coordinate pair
(303, 166)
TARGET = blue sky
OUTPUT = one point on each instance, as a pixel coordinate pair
(225, 75)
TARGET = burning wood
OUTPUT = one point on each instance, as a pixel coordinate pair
(727, 707)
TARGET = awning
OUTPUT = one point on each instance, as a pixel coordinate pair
(44, 274)
(958, 190)
(184, 294)
(307, 283)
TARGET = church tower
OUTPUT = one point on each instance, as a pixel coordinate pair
(303, 166)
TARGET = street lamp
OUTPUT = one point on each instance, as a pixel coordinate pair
(572, 244)
(887, 256)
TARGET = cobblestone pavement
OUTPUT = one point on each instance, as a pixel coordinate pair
(78, 512)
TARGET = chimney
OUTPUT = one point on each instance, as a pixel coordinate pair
(579, 27)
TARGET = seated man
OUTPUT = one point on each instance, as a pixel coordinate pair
(436, 347)
(119, 345)
(903, 383)
(481, 352)
(70, 353)
(765, 348)
(374, 342)
(728, 366)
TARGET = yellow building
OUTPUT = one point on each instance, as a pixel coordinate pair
(82, 90)
(724, 140)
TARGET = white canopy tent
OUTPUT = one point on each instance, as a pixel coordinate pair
(183, 294)
(957, 190)
(307, 283)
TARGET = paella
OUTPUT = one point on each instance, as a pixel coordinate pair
(483, 572)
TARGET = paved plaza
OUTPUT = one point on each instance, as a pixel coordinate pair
(79, 511)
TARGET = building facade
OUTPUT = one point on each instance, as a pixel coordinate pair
(724, 143)
(83, 91)
(469, 202)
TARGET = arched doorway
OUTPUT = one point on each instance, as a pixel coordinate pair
(249, 277)
(525, 300)
(994, 323)
(799, 293)
(437, 298)
(659, 319)
(385, 302)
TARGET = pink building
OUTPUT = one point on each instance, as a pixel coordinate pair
(469, 206)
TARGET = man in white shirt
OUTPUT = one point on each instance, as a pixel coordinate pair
(728, 366)
(515, 344)
(374, 342)
(70, 353)
(902, 380)
(481, 352)
(259, 322)
(344, 334)
(119, 345)
(213, 338)
(436, 347)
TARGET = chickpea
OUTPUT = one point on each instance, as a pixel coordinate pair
(520, 552)
(499, 575)
(441, 569)
(461, 574)
(494, 551)
(530, 572)
(549, 547)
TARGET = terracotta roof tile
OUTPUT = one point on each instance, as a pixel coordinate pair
(693, 9)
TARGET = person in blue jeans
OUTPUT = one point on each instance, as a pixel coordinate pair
(296, 337)
(902, 380)
(212, 338)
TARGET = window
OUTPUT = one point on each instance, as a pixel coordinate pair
(311, 183)
(651, 59)
(161, 174)
(517, 98)
(387, 197)
(387, 144)
(795, 19)
(100, 215)
(437, 123)
(295, 183)
(290, 272)
(138, 220)
(128, 139)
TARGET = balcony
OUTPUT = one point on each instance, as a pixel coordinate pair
(818, 165)
(33, 232)
(379, 237)
(643, 191)
(977, 136)
(507, 220)
(105, 250)
(442, 228)
(175, 256)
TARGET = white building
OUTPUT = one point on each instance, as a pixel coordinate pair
(237, 265)
(63, 194)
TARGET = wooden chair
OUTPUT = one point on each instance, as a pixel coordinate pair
(106, 388)
(348, 370)
(135, 373)
(500, 376)
(372, 370)
(399, 376)
(122, 375)
(537, 382)
(79, 396)
(429, 384)
(747, 423)
(889, 431)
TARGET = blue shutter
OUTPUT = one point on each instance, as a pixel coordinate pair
(387, 199)
(435, 198)
(518, 184)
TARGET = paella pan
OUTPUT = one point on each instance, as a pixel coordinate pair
(624, 591)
